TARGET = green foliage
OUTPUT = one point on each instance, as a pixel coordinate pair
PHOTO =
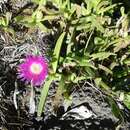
(91, 43)
(101, 55)
(4, 23)
(57, 51)
(95, 44)
(127, 100)
(44, 93)
(115, 109)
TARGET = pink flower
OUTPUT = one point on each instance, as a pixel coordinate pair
(33, 70)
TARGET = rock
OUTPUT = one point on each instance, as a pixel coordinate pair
(90, 110)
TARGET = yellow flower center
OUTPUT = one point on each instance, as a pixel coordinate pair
(36, 68)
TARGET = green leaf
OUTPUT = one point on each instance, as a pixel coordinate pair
(107, 8)
(101, 5)
(89, 72)
(86, 63)
(11, 31)
(68, 4)
(38, 16)
(3, 22)
(98, 81)
(127, 99)
(44, 94)
(101, 55)
(107, 70)
(127, 62)
(115, 109)
(77, 79)
(50, 17)
(42, 2)
(121, 43)
(104, 6)
(57, 51)
(105, 86)
(8, 18)
(42, 27)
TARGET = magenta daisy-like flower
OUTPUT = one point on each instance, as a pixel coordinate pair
(34, 69)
